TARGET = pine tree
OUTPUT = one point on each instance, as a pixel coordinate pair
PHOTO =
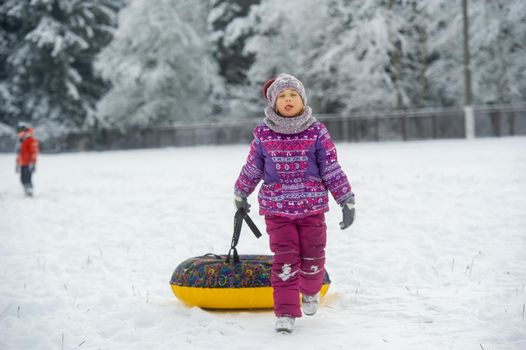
(385, 54)
(159, 65)
(499, 46)
(497, 35)
(229, 27)
(369, 56)
(48, 52)
(8, 39)
(287, 37)
(348, 53)
(229, 32)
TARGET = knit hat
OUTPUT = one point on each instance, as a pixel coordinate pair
(22, 126)
(284, 81)
(23, 130)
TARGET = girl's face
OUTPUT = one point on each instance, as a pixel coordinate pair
(289, 103)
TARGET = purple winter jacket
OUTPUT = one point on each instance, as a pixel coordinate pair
(297, 171)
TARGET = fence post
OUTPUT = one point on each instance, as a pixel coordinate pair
(469, 122)
(403, 122)
(376, 128)
(511, 121)
(496, 119)
(435, 125)
(345, 129)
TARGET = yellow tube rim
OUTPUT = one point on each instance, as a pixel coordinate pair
(229, 298)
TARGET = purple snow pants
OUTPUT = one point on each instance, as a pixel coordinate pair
(299, 260)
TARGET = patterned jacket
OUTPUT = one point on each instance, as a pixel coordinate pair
(297, 170)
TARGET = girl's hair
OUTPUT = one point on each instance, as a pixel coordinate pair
(266, 86)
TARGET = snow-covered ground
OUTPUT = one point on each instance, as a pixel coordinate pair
(435, 260)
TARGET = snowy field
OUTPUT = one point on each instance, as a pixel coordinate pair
(435, 260)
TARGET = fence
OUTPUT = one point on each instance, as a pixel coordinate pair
(368, 126)
(427, 124)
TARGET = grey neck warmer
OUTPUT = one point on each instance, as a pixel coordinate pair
(293, 125)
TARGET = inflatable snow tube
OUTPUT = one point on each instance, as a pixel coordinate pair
(211, 283)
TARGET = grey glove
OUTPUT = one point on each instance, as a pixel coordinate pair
(348, 213)
(17, 168)
(241, 202)
(32, 168)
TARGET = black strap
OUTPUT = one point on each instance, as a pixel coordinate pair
(240, 215)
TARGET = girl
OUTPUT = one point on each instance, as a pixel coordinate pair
(294, 155)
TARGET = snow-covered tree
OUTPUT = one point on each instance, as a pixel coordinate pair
(348, 53)
(177, 60)
(48, 48)
(369, 54)
(497, 33)
(423, 21)
(229, 31)
(159, 64)
(383, 54)
(8, 108)
(498, 45)
(286, 37)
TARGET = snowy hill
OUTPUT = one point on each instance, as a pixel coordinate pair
(435, 260)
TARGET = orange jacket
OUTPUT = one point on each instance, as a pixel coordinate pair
(27, 154)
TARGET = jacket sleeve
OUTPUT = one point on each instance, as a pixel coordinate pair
(331, 173)
(252, 171)
(33, 151)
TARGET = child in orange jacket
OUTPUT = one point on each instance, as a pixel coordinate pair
(26, 159)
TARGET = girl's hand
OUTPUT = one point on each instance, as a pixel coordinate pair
(241, 202)
(348, 211)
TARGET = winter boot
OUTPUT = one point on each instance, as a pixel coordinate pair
(309, 304)
(28, 190)
(284, 324)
